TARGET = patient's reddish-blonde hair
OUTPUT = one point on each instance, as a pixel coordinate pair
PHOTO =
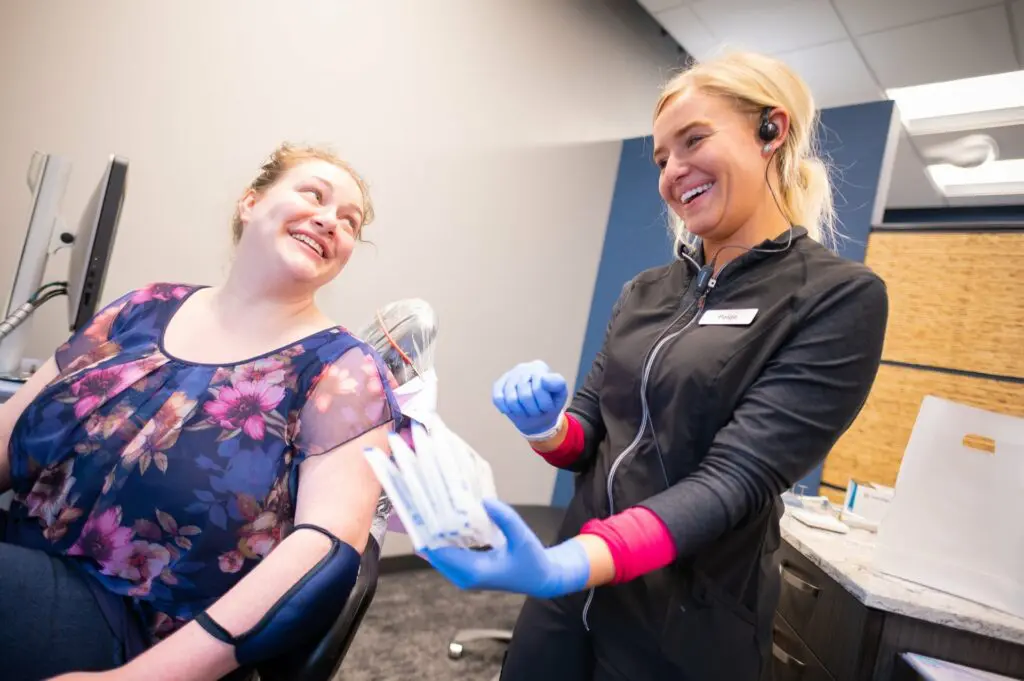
(286, 157)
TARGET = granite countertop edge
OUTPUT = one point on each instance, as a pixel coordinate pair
(912, 600)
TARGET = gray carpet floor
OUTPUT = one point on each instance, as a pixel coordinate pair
(414, 614)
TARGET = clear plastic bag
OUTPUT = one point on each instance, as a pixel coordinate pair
(404, 333)
(437, 497)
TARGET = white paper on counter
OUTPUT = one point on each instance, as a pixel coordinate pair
(954, 523)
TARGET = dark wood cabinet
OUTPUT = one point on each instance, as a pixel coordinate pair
(792, 659)
(822, 631)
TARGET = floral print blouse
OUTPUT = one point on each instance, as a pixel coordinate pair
(169, 480)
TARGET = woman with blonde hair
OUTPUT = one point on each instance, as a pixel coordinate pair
(190, 493)
(724, 378)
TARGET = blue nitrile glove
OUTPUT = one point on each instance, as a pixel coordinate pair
(523, 566)
(532, 397)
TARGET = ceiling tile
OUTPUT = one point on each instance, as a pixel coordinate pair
(911, 187)
(689, 31)
(772, 26)
(972, 44)
(868, 16)
(1017, 10)
(836, 74)
(654, 6)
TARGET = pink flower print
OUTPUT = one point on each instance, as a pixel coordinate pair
(103, 427)
(105, 541)
(94, 356)
(263, 530)
(162, 292)
(98, 330)
(333, 381)
(221, 375)
(54, 533)
(260, 536)
(231, 561)
(48, 496)
(374, 386)
(159, 434)
(96, 387)
(144, 563)
(267, 370)
(244, 407)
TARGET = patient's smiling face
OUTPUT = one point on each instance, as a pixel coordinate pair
(304, 226)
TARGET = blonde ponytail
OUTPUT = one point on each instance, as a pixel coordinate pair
(808, 201)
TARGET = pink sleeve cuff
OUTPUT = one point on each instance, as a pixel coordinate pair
(571, 447)
(638, 540)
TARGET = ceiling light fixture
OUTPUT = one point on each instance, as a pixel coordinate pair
(998, 178)
(964, 152)
(959, 105)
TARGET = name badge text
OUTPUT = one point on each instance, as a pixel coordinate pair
(728, 317)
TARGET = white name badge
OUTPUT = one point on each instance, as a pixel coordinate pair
(728, 317)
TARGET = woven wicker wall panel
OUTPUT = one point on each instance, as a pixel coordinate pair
(873, 446)
(956, 300)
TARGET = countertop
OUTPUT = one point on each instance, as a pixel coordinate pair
(847, 558)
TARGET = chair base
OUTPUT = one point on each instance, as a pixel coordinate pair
(457, 645)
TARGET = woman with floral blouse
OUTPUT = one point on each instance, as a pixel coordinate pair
(161, 458)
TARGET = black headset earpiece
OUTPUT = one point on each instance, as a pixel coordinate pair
(768, 130)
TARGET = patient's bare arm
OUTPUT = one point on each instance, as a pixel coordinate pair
(11, 410)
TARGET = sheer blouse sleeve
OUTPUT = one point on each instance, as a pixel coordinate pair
(96, 340)
(350, 396)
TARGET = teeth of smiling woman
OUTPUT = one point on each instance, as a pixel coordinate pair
(686, 197)
(309, 242)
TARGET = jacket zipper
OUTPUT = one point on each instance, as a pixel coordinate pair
(700, 302)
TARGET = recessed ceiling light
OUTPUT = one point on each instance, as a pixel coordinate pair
(998, 178)
(958, 105)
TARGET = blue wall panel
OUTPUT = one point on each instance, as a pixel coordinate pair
(637, 237)
(854, 138)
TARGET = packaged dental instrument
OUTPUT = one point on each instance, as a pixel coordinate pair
(435, 481)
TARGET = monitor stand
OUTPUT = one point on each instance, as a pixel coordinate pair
(47, 178)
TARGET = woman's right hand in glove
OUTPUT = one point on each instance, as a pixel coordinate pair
(533, 398)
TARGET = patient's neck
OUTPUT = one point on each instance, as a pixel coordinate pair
(246, 299)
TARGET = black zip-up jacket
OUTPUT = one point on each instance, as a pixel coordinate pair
(740, 413)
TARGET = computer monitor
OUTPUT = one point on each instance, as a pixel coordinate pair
(94, 243)
(47, 180)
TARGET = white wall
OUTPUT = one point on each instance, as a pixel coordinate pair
(488, 129)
